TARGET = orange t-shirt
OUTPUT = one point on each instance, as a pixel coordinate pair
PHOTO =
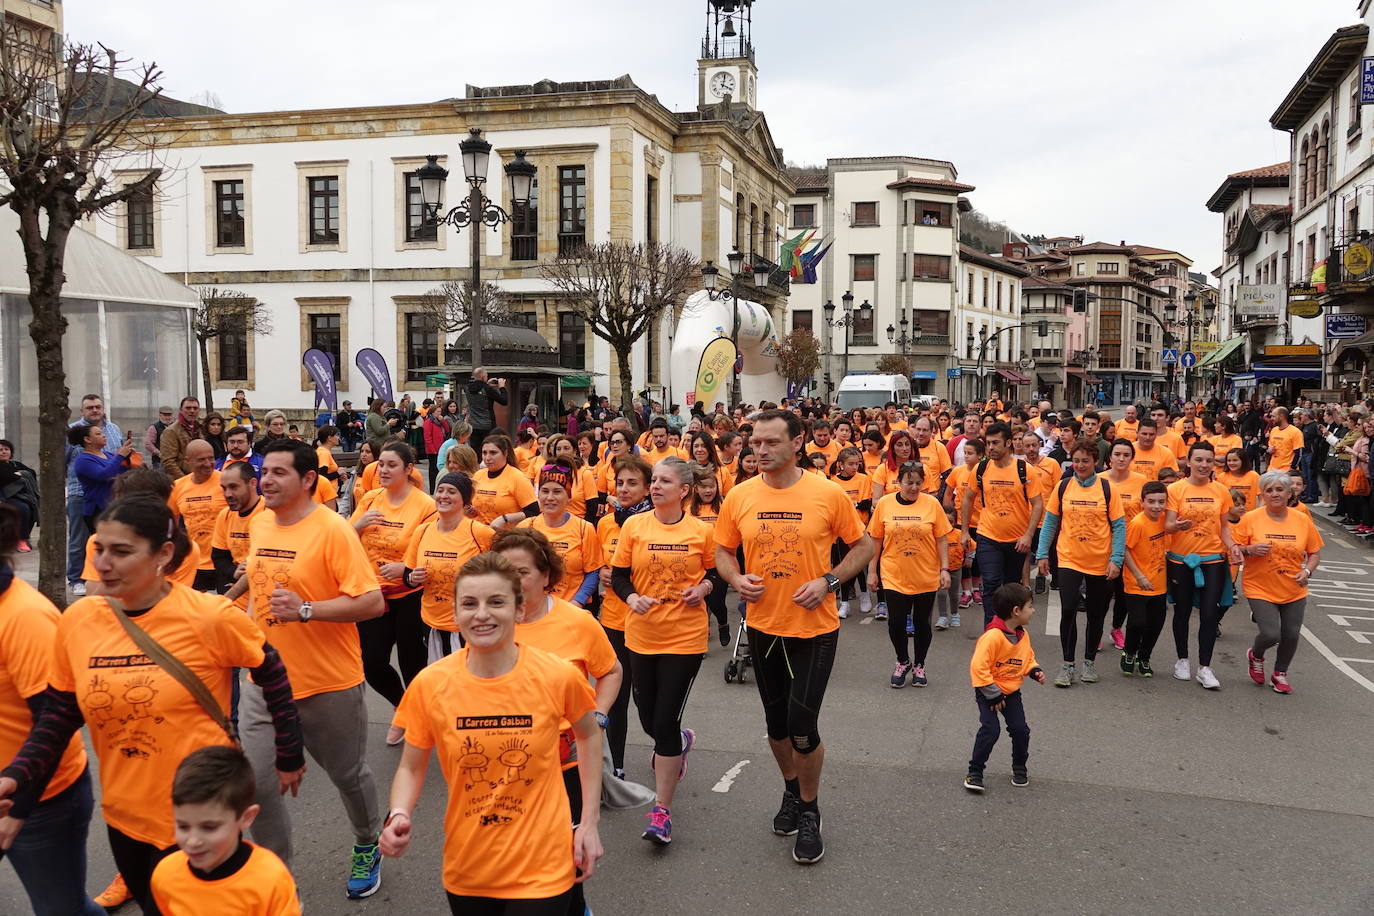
(1129, 490)
(885, 477)
(1148, 464)
(507, 824)
(325, 459)
(583, 491)
(857, 488)
(935, 459)
(576, 542)
(1085, 530)
(655, 455)
(787, 534)
(664, 560)
(231, 534)
(872, 462)
(830, 450)
(1206, 507)
(387, 541)
(199, 504)
(910, 559)
(956, 550)
(141, 721)
(1049, 470)
(318, 558)
(1247, 484)
(508, 492)
(1172, 442)
(1127, 431)
(325, 490)
(958, 481)
(1006, 501)
(443, 554)
(573, 635)
(262, 887)
(28, 624)
(706, 513)
(1147, 544)
(605, 476)
(185, 574)
(368, 480)
(1270, 577)
(1224, 444)
(1285, 443)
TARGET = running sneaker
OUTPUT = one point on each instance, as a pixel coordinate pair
(918, 676)
(1182, 671)
(942, 622)
(844, 610)
(724, 633)
(1280, 681)
(1065, 676)
(785, 821)
(1118, 638)
(1019, 777)
(1054, 585)
(660, 829)
(810, 847)
(865, 604)
(899, 674)
(977, 596)
(910, 625)
(1207, 679)
(881, 613)
(1143, 669)
(1089, 675)
(1256, 667)
(114, 896)
(365, 872)
(1127, 664)
(1040, 585)
(974, 781)
(78, 588)
(966, 599)
(24, 547)
(618, 773)
(954, 620)
(689, 739)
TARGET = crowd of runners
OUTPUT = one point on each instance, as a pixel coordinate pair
(512, 613)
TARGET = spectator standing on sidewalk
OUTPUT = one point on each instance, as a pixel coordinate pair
(92, 414)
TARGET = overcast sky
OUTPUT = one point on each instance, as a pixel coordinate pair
(1110, 120)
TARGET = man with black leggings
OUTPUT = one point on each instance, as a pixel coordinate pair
(787, 519)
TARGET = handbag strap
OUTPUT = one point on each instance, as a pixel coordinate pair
(174, 667)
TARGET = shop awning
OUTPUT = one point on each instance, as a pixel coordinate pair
(1222, 351)
(924, 374)
(1048, 380)
(577, 381)
(1264, 371)
(1014, 377)
(1087, 379)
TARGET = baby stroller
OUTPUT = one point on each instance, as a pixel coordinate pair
(740, 661)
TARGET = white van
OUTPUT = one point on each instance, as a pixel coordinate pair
(873, 391)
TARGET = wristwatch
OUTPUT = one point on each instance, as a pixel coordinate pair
(832, 582)
(602, 719)
(307, 611)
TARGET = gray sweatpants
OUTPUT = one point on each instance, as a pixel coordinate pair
(1279, 624)
(334, 728)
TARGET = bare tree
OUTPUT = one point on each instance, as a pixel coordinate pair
(451, 305)
(894, 364)
(621, 289)
(221, 312)
(60, 122)
(799, 355)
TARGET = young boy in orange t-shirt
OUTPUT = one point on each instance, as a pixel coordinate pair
(1002, 659)
(215, 870)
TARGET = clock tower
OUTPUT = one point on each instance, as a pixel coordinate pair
(726, 66)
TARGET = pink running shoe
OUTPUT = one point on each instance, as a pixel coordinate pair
(977, 596)
(1256, 667)
(1119, 639)
(1280, 681)
(660, 829)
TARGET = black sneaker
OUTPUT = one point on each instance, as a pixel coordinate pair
(1019, 777)
(785, 821)
(1143, 669)
(974, 782)
(1054, 585)
(1040, 585)
(809, 847)
(1127, 664)
(724, 634)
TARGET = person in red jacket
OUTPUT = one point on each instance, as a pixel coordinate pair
(1002, 659)
(436, 429)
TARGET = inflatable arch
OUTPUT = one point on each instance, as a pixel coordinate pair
(756, 338)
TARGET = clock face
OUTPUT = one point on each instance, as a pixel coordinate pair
(723, 84)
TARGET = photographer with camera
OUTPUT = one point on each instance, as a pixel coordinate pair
(482, 394)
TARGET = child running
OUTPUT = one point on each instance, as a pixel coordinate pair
(1146, 586)
(1002, 659)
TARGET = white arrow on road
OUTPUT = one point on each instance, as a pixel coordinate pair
(1341, 620)
(1360, 636)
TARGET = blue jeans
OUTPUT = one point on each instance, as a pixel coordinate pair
(1311, 494)
(50, 853)
(999, 562)
(989, 729)
(76, 537)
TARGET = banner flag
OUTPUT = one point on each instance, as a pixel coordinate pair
(716, 362)
(373, 366)
(321, 368)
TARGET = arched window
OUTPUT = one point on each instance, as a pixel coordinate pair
(753, 228)
(766, 244)
(739, 221)
(1323, 160)
(1302, 174)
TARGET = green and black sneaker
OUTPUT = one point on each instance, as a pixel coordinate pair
(1127, 664)
(1143, 669)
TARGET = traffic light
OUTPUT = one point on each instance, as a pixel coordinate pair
(1042, 328)
(1080, 300)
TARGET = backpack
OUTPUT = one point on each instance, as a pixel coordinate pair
(1020, 472)
(1106, 495)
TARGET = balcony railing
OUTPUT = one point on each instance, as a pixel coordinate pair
(569, 243)
(779, 280)
(524, 247)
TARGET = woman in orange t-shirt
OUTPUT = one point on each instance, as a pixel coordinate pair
(705, 505)
(872, 442)
(1281, 548)
(367, 455)
(617, 446)
(502, 494)
(847, 471)
(659, 571)
(141, 720)
(703, 452)
(901, 448)
(584, 500)
(578, 546)
(495, 710)
(1236, 473)
(386, 520)
(438, 550)
(1127, 484)
(909, 529)
(630, 485)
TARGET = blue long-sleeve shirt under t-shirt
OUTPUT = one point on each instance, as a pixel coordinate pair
(96, 474)
(1050, 530)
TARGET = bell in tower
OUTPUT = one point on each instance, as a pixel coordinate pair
(727, 69)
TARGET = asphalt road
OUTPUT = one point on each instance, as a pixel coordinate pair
(1146, 796)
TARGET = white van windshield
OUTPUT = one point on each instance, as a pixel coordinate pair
(851, 399)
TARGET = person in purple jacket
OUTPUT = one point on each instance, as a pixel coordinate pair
(96, 470)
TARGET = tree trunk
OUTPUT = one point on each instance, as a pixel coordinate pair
(205, 374)
(44, 263)
(622, 357)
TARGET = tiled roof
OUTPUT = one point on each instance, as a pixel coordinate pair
(1099, 248)
(1041, 283)
(913, 182)
(993, 262)
(1268, 176)
(809, 178)
(1277, 170)
(1261, 212)
(1147, 249)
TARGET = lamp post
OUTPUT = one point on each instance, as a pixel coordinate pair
(710, 276)
(904, 341)
(1191, 322)
(475, 208)
(846, 321)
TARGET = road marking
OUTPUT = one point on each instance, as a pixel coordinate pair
(1366, 661)
(1344, 569)
(725, 782)
(1343, 620)
(1053, 611)
(1339, 662)
(866, 621)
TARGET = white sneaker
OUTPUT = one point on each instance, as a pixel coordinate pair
(865, 603)
(1207, 679)
(78, 589)
(1182, 671)
(844, 610)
